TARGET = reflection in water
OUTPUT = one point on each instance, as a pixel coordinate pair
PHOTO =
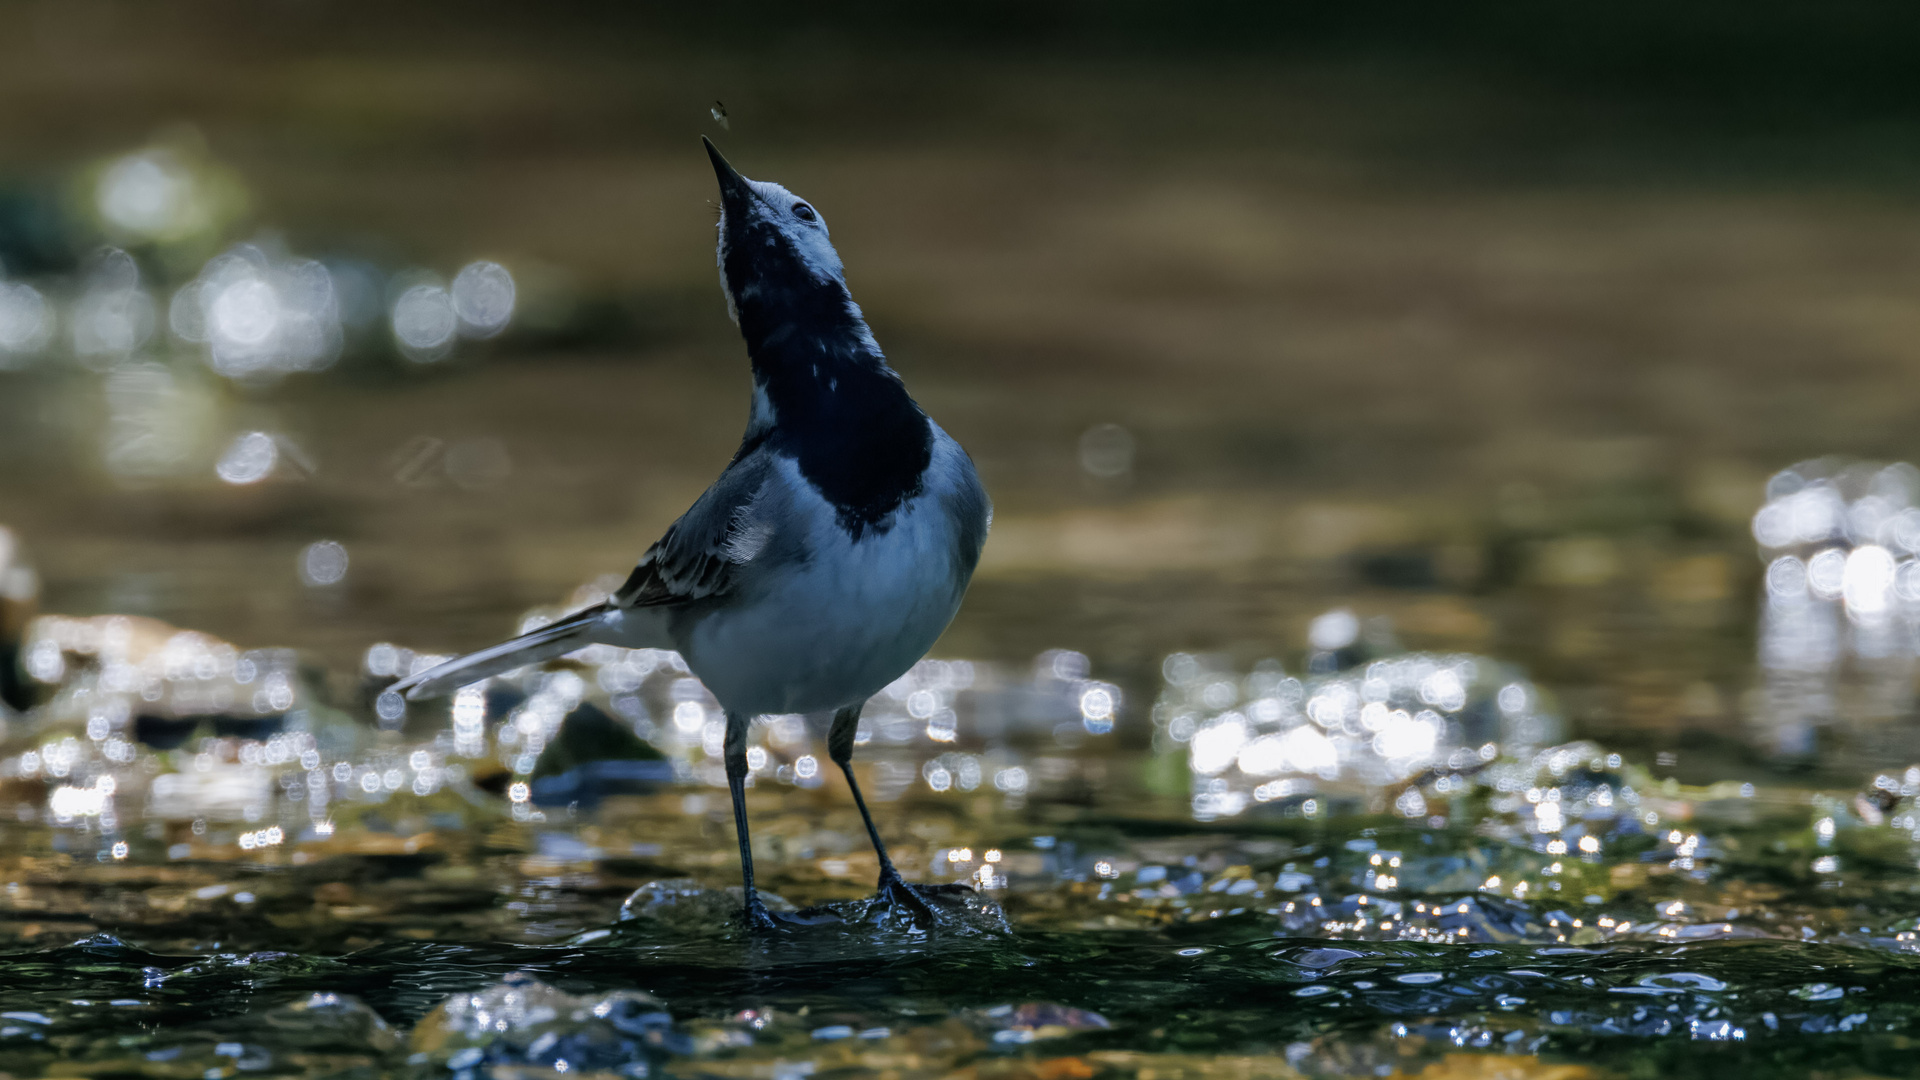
(115, 683)
(1268, 737)
(1841, 604)
(254, 313)
(26, 323)
(945, 727)
(114, 315)
(260, 317)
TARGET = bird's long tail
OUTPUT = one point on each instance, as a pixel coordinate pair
(544, 643)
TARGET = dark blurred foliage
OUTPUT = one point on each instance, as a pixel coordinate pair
(1794, 89)
(1797, 89)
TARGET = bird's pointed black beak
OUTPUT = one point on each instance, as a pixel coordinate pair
(734, 191)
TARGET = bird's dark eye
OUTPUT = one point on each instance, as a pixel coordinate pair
(803, 211)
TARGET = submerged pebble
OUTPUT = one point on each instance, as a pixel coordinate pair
(683, 906)
(523, 1021)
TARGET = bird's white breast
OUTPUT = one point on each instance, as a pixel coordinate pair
(835, 628)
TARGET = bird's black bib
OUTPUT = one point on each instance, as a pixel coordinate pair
(844, 416)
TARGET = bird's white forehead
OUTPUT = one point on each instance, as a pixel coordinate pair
(778, 198)
(809, 238)
(780, 203)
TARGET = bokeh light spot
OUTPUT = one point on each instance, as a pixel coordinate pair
(324, 562)
(424, 322)
(249, 459)
(483, 295)
(26, 321)
(1106, 451)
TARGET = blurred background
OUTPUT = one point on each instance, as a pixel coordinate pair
(1454, 504)
(329, 323)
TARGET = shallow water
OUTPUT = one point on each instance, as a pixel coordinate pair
(343, 897)
(1212, 966)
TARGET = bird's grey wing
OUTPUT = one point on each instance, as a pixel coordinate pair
(701, 554)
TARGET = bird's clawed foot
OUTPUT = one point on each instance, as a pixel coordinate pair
(896, 907)
(920, 906)
(902, 899)
(756, 917)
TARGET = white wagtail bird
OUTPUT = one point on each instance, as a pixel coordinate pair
(833, 550)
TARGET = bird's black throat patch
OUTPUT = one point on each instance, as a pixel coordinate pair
(840, 411)
(856, 435)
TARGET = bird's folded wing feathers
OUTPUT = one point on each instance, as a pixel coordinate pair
(700, 555)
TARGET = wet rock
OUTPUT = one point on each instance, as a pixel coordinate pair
(593, 756)
(952, 912)
(684, 907)
(958, 911)
(121, 692)
(328, 1022)
(148, 680)
(764, 1043)
(1490, 919)
(1037, 1020)
(523, 1021)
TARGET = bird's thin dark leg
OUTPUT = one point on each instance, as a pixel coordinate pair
(755, 912)
(893, 887)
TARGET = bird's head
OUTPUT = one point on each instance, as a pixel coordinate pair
(776, 262)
